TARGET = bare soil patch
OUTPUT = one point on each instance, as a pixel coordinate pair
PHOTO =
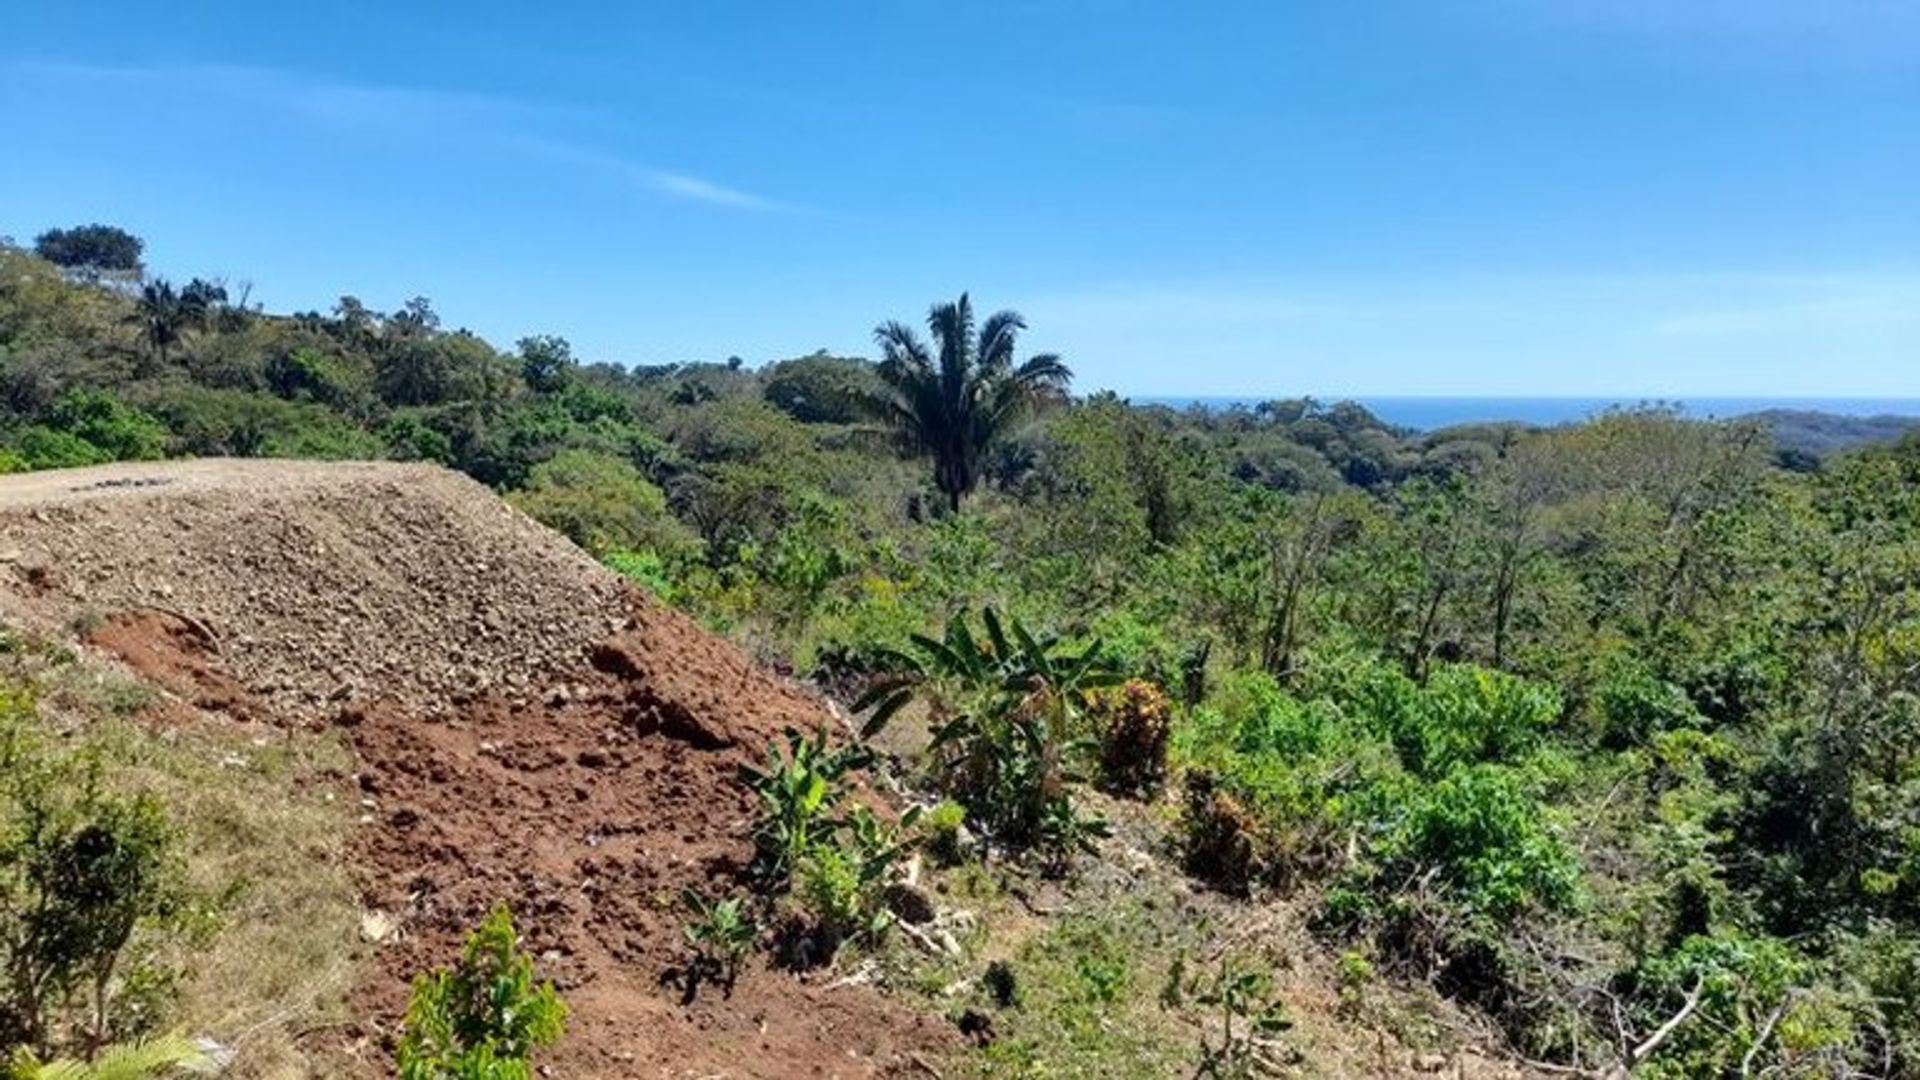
(527, 728)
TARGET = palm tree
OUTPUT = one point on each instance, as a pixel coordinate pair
(164, 314)
(953, 404)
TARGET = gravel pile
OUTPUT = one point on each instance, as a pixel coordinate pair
(321, 583)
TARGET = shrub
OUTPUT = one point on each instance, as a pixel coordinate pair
(483, 1018)
(798, 794)
(123, 432)
(236, 423)
(84, 875)
(1482, 841)
(1634, 706)
(1007, 747)
(599, 501)
(1134, 720)
(1224, 843)
(841, 885)
(41, 447)
(644, 568)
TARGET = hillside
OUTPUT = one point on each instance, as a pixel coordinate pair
(1821, 434)
(453, 644)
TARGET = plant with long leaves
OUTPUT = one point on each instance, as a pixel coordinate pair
(163, 1056)
(721, 934)
(798, 792)
(1009, 740)
(952, 401)
(843, 885)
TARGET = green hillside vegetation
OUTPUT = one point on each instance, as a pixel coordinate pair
(1610, 732)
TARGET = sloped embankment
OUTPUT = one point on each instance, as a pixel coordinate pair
(528, 729)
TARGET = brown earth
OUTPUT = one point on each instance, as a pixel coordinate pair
(529, 730)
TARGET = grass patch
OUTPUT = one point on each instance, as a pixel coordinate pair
(262, 822)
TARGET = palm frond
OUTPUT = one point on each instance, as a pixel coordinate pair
(998, 336)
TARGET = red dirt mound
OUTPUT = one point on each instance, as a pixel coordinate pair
(510, 750)
(588, 816)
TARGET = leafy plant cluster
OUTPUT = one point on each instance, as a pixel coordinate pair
(89, 891)
(833, 860)
(1011, 735)
(484, 1017)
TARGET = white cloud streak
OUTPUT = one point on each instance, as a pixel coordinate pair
(486, 120)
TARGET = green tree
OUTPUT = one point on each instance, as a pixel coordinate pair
(953, 401)
(546, 363)
(91, 251)
(164, 314)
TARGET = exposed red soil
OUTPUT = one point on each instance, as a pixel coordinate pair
(588, 816)
(509, 749)
(180, 655)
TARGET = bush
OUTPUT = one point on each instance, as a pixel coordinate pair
(1483, 842)
(1634, 706)
(484, 1018)
(1134, 720)
(39, 447)
(85, 875)
(643, 568)
(599, 501)
(236, 423)
(1223, 842)
(1007, 744)
(124, 433)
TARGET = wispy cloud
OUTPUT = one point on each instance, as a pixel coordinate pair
(491, 121)
(677, 185)
(706, 191)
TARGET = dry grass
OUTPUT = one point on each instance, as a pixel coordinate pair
(263, 817)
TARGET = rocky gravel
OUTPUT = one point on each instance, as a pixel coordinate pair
(322, 584)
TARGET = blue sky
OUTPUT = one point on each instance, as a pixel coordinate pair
(1525, 197)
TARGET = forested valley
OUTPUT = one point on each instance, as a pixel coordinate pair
(1607, 734)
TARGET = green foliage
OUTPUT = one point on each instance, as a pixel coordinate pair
(820, 389)
(721, 934)
(942, 829)
(1479, 838)
(38, 447)
(483, 1018)
(1010, 742)
(163, 1056)
(119, 430)
(643, 568)
(841, 885)
(798, 794)
(224, 422)
(91, 250)
(954, 401)
(599, 501)
(1249, 1015)
(85, 876)
(1414, 671)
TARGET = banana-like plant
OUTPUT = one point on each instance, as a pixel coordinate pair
(167, 1055)
(798, 793)
(1010, 742)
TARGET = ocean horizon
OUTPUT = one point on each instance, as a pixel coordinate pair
(1430, 413)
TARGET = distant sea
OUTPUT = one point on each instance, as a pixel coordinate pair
(1428, 413)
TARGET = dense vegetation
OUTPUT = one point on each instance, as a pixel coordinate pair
(1609, 730)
